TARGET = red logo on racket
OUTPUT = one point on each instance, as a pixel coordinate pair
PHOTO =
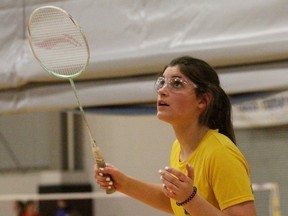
(52, 42)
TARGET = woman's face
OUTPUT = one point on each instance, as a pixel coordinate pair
(177, 102)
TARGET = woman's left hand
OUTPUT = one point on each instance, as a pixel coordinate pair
(177, 185)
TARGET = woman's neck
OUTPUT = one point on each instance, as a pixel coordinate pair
(189, 138)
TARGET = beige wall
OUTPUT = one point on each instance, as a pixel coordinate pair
(138, 145)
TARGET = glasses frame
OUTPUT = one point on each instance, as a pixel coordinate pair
(170, 82)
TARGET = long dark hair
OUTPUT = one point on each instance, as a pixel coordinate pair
(218, 113)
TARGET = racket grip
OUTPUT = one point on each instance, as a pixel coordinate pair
(101, 164)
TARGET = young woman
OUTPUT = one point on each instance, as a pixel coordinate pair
(207, 175)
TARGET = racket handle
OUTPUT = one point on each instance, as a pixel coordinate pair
(101, 164)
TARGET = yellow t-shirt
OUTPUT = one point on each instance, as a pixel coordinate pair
(221, 172)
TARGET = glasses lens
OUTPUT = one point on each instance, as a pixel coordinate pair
(160, 82)
(177, 83)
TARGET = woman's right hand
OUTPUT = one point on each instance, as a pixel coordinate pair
(115, 177)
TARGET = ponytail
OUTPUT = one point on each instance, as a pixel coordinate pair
(224, 116)
(218, 113)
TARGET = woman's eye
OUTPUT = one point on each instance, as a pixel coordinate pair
(177, 83)
(161, 83)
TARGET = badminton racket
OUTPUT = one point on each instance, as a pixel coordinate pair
(61, 48)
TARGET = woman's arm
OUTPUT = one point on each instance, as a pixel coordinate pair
(179, 187)
(150, 194)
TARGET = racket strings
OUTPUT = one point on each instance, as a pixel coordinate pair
(60, 46)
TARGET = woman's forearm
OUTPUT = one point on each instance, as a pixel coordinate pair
(200, 207)
(150, 194)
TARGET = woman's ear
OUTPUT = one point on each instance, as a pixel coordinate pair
(205, 99)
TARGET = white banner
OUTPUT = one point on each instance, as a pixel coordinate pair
(266, 110)
(129, 38)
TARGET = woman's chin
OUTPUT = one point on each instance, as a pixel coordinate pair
(163, 117)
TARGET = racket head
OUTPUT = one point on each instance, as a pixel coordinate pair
(57, 42)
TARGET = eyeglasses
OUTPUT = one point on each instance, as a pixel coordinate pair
(173, 84)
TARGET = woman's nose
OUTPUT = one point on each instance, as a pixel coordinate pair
(163, 90)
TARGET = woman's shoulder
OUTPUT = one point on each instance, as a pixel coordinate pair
(218, 140)
(217, 144)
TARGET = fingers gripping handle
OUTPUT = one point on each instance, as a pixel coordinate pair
(101, 164)
(112, 189)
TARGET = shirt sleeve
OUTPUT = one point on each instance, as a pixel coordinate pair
(228, 174)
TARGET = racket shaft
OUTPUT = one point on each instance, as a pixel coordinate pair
(99, 159)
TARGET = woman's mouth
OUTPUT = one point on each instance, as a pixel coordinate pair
(162, 103)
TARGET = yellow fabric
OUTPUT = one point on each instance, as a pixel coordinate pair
(222, 174)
